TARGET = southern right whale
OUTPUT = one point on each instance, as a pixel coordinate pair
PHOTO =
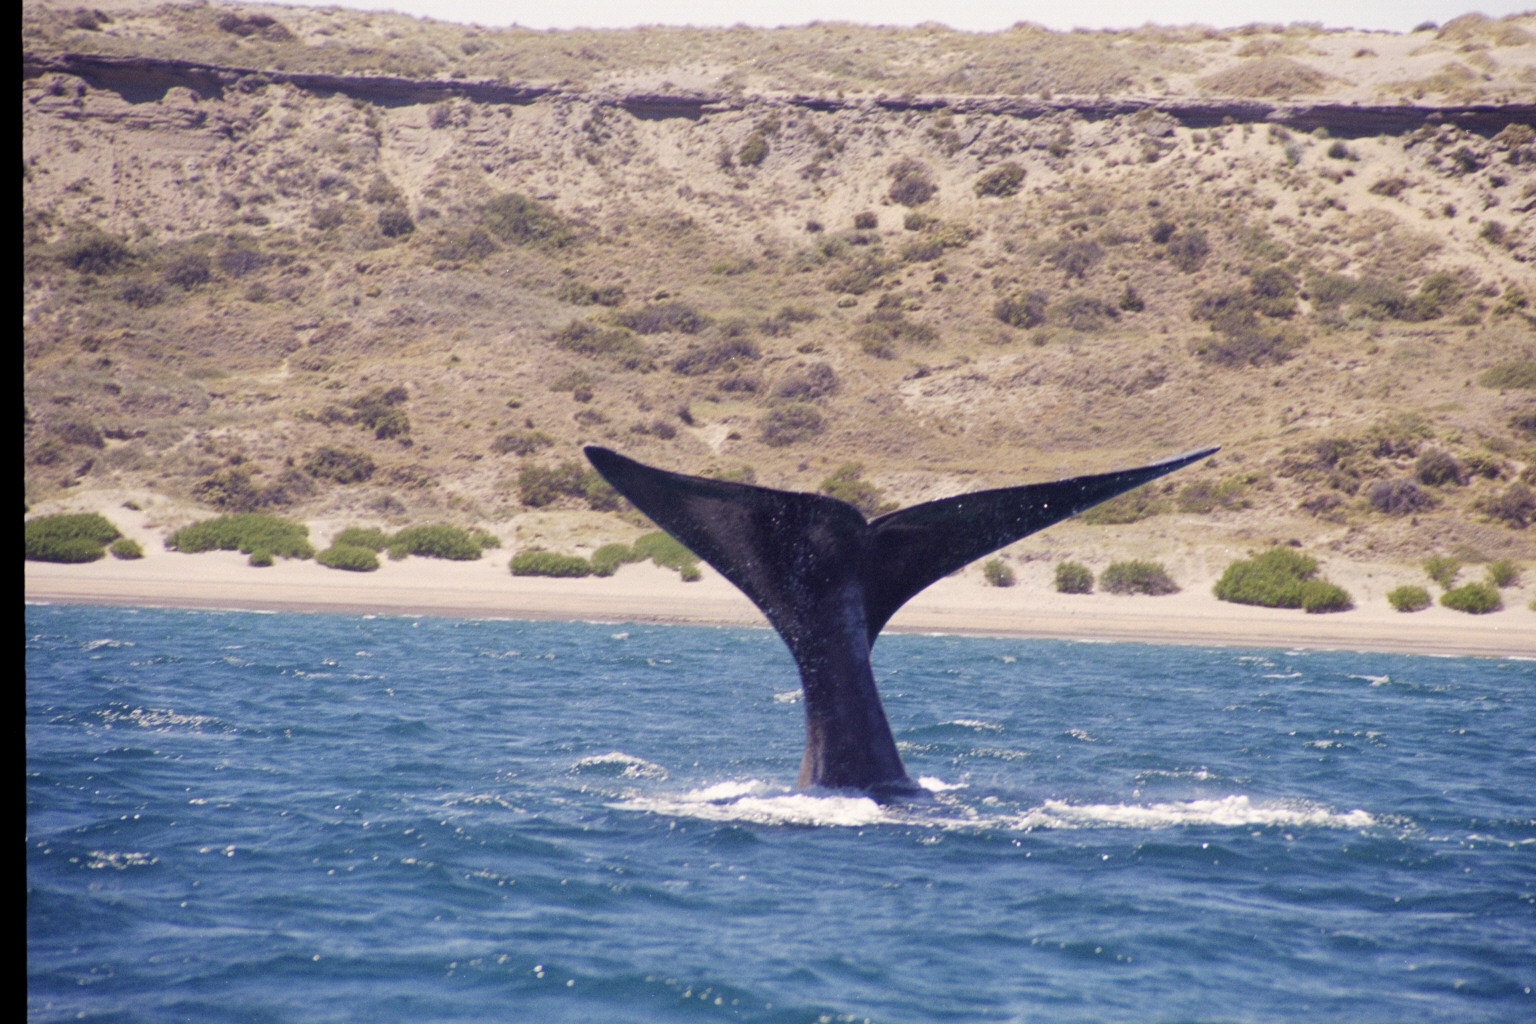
(828, 581)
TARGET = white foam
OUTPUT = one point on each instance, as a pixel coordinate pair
(1226, 811)
(974, 723)
(754, 802)
(619, 763)
(934, 785)
(98, 859)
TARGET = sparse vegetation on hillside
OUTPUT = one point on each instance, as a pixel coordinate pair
(337, 303)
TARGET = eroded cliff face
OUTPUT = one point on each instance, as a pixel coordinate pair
(229, 265)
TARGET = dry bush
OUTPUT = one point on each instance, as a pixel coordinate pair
(1081, 312)
(910, 183)
(1267, 78)
(1001, 181)
(1024, 311)
(725, 354)
(665, 318)
(815, 381)
(788, 424)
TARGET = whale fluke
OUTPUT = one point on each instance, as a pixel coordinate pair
(828, 581)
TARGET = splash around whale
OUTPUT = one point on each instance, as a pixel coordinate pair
(828, 581)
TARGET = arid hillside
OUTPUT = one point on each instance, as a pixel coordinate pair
(365, 268)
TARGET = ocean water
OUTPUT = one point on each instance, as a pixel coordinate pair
(285, 817)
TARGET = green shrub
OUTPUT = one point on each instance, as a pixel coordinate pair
(378, 411)
(788, 424)
(1437, 467)
(1082, 313)
(395, 222)
(921, 250)
(724, 354)
(81, 537)
(1075, 256)
(1398, 497)
(464, 246)
(1188, 249)
(1074, 578)
(617, 343)
(665, 318)
(669, 553)
(1024, 311)
(521, 442)
(94, 252)
(1438, 293)
(437, 541)
(1137, 577)
(607, 559)
(754, 151)
(1408, 598)
(127, 549)
(859, 275)
(815, 381)
(1503, 573)
(369, 537)
(998, 573)
(1319, 596)
(1473, 598)
(189, 271)
(349, 557)
(845, 485)
(522, 221)
(229, 488)
(1131, 507)
(1515, 506)
(599, 493)
(343, 465)
(1256, 346)
(1280, 578)
(866, 221)
(1204, 496)
(1517, 374)
(535, 562)
(485, 538)
(538, 486)
(248, 532)
(910, 184)
(887, 325)
(1442, 569)
(261, 558)
(1001, 181)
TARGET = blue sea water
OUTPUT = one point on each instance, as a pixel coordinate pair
(286, 817)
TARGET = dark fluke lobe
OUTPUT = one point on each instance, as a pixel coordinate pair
(828, 581)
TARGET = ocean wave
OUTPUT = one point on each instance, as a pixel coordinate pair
(619, 764)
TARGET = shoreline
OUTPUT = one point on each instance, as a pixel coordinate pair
(643, 593)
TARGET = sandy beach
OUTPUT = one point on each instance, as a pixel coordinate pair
(644, 593)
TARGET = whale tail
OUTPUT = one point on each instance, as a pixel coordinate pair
(828, 581)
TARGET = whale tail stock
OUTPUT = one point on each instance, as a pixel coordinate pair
(828, 581)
